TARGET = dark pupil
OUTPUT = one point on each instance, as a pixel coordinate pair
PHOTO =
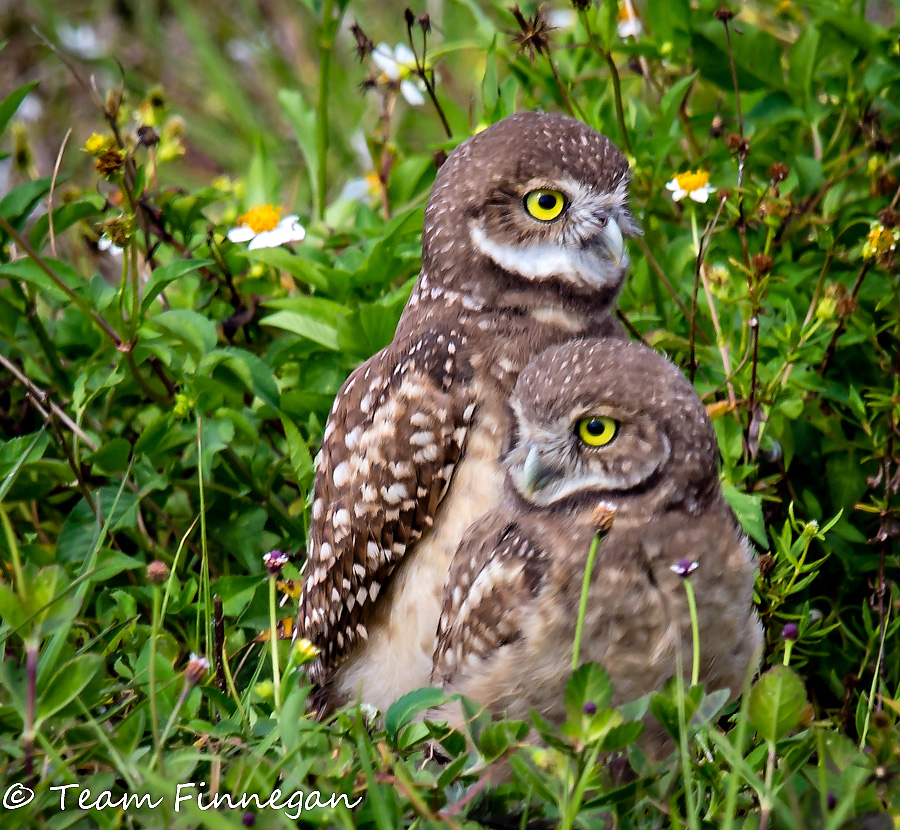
(546, 201)
(595, 427)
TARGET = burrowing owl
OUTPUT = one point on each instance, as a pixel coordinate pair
(522, 248)
(600, 428)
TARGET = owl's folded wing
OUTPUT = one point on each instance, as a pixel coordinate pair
(498, 568)
(392, 441)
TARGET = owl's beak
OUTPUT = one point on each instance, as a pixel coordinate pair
(535, 474)
(613, 241)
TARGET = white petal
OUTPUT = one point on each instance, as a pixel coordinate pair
(701, 194)
(242, 233)
(405, 56)
(673, 185)
(412, 94)
(356, 190)
(266, 239)
(384, 60)
(679, 194)
(291, 228)
(630, 27)
(562, 18)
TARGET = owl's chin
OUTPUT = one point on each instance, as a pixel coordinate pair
(594, 267)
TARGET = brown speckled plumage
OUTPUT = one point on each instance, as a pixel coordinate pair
(410, 455)
(510, 604)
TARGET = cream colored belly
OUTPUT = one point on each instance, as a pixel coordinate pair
(398, 655)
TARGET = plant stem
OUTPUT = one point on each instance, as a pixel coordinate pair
(582, 605)
(154, 704)
(273, 639)
(327, 47)
(695, 631)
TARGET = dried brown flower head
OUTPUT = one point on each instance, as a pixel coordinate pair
(110, 162)
(196, 669)
(717, 126)
(738, 144)
(762, 263)
(778, 172)
(889, 218)
(723, 14)
(533, 35)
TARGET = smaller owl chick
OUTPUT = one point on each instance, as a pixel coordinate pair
(599, 427)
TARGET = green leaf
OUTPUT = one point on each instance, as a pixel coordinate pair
(112, 457)
(298, 453)
(757, 56)
(402, 711)
(12, 611)
(68, 682)
(304, 269)
(12, 102)
(777, 703)
(326, 328)
(167, 274)
(196, 332)
(18, 453)
(303, 120)
(802, 60)
(748, 509)
(64, 217)
(588, 684)
(255, 374)
(29, 271)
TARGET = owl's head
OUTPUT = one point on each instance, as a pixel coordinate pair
(609, 419)
(541, 196)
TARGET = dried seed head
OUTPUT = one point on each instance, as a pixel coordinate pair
(409, 17)
(533, 35)
(778, 172)
(581, 5)
(738, 144)
(425, 22)
(157, 572)
(889, 218)
(762, 263)
(110, 162)
(602, 517)
(724, 14)
(147, 136)
(717, 126)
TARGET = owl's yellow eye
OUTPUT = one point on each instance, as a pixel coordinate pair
(596, 431)
(545, 205)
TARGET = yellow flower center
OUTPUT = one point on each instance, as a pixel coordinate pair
(692, 181)
(625, 15)
(261, 218)
(373, 184)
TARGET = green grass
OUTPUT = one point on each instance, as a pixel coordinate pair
(164, 405)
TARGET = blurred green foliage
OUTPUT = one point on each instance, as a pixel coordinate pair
(163, 390)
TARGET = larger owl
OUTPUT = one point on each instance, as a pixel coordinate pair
(522, 248)
(601, 429)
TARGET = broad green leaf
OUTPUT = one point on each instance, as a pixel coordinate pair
(29, 271)
(748, 509)
(167, 274)
(68, 682)
(777, 703)
(64, 216)
(12, 102)
(298, 453)
(111, 457)
(588, 684)
(402, 711)
(196, 332)
(324, 329)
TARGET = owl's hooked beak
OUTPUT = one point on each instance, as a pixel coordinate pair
(535, 474)
(613, 241)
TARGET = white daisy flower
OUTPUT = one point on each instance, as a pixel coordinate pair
(695, 185)
(262, 227)
(399, 64)
(629, 23)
